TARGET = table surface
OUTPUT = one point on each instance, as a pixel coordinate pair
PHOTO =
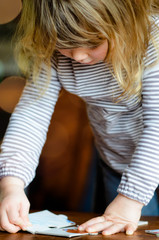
(82, 217)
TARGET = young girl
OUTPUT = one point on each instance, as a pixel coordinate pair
(106, 52)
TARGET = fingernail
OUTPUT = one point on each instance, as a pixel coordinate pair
(89, 229)
(24, 228)
(80, 228)
(129, 232)
(106, 233)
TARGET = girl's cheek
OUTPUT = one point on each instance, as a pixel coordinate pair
(100, 56)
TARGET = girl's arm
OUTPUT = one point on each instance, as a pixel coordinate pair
(141, 177)
(21, 148)
(27, 129)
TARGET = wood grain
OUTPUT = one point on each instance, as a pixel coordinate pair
(81, 217)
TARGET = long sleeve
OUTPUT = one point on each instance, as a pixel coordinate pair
(27, 130)
(141, 177)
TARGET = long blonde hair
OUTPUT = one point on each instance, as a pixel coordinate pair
(46, 25)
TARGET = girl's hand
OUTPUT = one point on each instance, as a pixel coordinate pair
(122, 215)
(14, 205)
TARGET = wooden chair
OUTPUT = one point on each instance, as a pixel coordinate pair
(10, 91)
(65, 162)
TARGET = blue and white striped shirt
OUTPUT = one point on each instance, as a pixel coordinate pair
(126, 132)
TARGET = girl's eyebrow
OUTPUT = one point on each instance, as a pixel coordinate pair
(91, 46)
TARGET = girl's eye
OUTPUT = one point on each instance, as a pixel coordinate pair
(94, 47)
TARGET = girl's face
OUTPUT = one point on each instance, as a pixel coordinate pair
(87, 55)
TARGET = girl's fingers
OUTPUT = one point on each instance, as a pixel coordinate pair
(114, 228)
(13, 216)
(98, 227)
(6, 225)
(107, 226)
(130, 229)
(24, 211)
(92, 221)
(18, 218)
(1, 229)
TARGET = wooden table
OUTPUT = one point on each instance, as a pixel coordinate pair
(81, 217)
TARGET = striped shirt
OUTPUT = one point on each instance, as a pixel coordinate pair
(126, 132)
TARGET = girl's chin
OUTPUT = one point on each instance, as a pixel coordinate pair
(89, 63)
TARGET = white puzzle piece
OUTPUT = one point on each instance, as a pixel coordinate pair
(48, 219)
(48, 223)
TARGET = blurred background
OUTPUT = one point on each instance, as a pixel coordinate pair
(66, 174)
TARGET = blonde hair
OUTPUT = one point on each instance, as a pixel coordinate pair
(46, 25)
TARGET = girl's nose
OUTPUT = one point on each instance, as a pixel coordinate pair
(79, 55)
